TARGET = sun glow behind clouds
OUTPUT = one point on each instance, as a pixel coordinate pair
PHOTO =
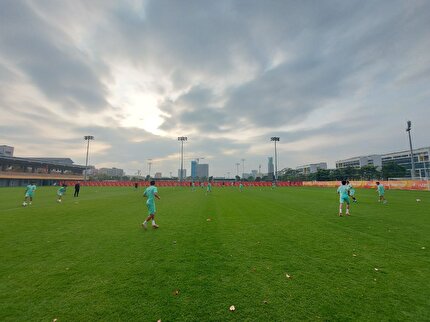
(136, 102)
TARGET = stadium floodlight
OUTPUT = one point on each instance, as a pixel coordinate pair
(275, 139)
(149, 167)
(408, 129)
(243, 168)
(237, 168)
(182, 139)
(87, 138)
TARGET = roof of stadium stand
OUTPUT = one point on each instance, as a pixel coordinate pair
(65, 163)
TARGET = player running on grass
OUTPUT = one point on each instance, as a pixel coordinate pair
(151, 193)
(29, 194)
(351, 191)
(343, 198)
(61, 192)
(381, 192)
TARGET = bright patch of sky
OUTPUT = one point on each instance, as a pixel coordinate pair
(333, 79)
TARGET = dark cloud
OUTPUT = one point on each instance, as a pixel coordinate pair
(331, 50)
(195, 111)
(49, 58)
(229, 74)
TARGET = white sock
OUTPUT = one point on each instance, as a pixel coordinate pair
(145, 222)
(153, 221)
(347, 211)
(340, 209)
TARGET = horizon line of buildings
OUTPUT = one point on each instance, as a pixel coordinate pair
(201, 170)
(403, 158)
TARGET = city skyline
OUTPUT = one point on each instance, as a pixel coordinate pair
(333, 80)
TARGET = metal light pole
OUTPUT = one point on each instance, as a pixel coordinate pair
(275, 139)
(182, 139)
(149, 167)
(243, 167)
(237, 168)
(408, 129)
(87, 138)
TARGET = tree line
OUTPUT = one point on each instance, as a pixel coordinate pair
(369, 172)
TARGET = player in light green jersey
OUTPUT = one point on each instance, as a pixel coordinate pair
(343, 198)
(151, 193)
(381, 192)
(61, 192)
(351, 191)
(29, 194)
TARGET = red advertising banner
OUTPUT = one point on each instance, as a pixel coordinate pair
(165, 183)
(400, 185)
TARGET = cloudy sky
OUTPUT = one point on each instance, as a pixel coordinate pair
(332, 79)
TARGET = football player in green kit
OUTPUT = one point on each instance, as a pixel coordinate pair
(343, 198)
(151, 193)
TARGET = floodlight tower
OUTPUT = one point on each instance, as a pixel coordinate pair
(243, 167)
(275, 139)
(408, 129)
(182, 139)
(87, 138)
(237, 168)
(149, 167)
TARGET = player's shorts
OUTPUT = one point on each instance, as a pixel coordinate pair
(344, 199)
(381, 194)
(60, 194)
(151, 207)
(29, 194)
(352, 192)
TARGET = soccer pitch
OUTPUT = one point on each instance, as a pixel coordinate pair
(276, 255)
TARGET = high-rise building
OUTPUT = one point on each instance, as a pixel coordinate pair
(194, 169)
(202, 171)
(270, 168)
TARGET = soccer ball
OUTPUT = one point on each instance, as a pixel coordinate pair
(59, 200)
(24, 204)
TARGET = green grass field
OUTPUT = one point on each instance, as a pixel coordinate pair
(88, 259)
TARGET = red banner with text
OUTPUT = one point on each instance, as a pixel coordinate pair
(401, 185)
